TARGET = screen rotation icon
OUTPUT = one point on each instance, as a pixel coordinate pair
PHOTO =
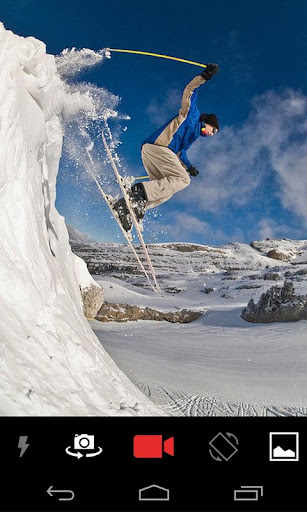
(223, 446)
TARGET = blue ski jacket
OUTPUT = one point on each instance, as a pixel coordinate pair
(182, 130)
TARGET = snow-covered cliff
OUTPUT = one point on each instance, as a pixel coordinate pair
(51, 361)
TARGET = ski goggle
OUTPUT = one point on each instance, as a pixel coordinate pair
(204, 132)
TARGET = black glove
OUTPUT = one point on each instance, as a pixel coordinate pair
(210, 71)
(192, 171)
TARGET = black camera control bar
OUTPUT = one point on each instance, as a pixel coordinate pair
(132, 464)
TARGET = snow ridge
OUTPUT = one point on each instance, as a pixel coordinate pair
(51, 361)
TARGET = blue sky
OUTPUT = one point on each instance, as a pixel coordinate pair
(252, 181)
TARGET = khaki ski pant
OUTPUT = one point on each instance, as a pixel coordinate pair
(167, 174)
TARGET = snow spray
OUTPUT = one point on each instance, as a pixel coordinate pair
(86, 110)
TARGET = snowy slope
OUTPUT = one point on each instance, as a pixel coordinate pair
(51, 362)
(218, 364)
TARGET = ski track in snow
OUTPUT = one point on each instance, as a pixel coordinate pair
(179, 403)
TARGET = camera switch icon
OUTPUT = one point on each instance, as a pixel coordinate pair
(83, 443)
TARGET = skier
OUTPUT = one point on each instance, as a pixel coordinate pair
(164, 153)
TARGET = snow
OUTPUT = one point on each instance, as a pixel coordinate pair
(296, 251)
(51, 361)
(218, 364)
(72, 61)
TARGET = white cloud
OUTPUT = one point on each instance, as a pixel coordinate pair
(291, 165)
(159, 112)
(267, 228)
(271, 228)
(186, 224)
(234, 163)
(185, 227)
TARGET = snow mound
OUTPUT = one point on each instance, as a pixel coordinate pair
(51, 361)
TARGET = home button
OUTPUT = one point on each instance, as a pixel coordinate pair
(154, 493)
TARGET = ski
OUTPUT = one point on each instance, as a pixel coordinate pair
(127, 236)
(119, 179)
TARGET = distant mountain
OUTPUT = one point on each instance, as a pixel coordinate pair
(77, 236)
(184, 258)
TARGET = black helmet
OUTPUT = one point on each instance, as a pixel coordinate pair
(210, 119)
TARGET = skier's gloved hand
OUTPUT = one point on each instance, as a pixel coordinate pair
(210, 71)
(192, 171)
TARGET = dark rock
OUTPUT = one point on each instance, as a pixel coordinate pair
(182, 247)
(255, 246)
(248, 286)
(271, 276)
(173, 289)
(208, 290)
(277, 255)
(302, 272)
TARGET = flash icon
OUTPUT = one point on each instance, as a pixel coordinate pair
(23, 445)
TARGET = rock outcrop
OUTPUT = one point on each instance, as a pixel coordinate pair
(114, 312)
(92, 298)
(277, 255)
(91, 292)
(278, 304)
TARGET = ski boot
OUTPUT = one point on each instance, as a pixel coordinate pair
(124, 214)
(138, 201)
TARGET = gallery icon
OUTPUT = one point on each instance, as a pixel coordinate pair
(284, 446)
(223, 446)
(84, 446)
(152, 446)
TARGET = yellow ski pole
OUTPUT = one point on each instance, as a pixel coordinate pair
(140, 178)
(157, 55)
